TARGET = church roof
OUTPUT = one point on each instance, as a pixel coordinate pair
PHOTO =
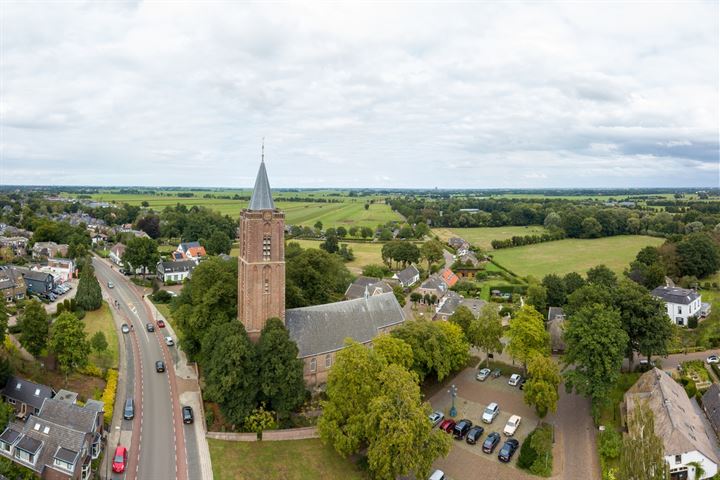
(324, 328)
(262, 196)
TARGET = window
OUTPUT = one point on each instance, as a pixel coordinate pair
(61, 464)
(313, 364)
(678, 458)
(680, 321)
(24, 456)
(6, 447)
(679, 309)
(11, 401)
(328, 361)
(266, 247)
(267, 286)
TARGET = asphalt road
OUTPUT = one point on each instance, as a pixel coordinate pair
(158, 446)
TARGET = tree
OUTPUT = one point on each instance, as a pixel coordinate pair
(318, 225)
(486, 331)
(401, 440)
(393, 350)
(528, 335)
(3, 321)
(399, 294)
(591, 228)
(595, 344)
(589, 295)
(68, 342)
(89, 294)
(149, 224)
(280, 370)
(432, 252)
(341, 232)
(541, 388)
(98, 342)
(463, 317)
(537, 297)
(141, 252)
(602, 275)
(699, 470)
(218, 243)
(375, 270)
(366, 232)
(572, 281)
(552, 221)
(642, 456)
(313, 276)
(34, 327)
(260, 420)
(555, 288)
(697, 256)
(415, 297)
(330, 244)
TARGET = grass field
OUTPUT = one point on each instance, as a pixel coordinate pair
(101, 321)
(365, 253)
(482, 236)
(286, 460)
(573, 255)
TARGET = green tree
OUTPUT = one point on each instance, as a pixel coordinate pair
(537, 297)
(602, 275)
(399, 294)
(7, 413)
(218, 243)
(375, 270)
(463, 317)
(486, 331)
(366, 232)
(34, 327)
(698, 256)
(141, 252)
(591, 228)
(341, 232)
(260, 420)
(68, 342)
(280, 370)
(318, 225)
(432, 252)
(313, 276)
(555, 288)
(552, 221)
(98, 342)
(3, 321)
(89, 294)
(393, 350)
(595, 344)
(527, 335)
(330, 244)
(589, 295)
(541, 388)
(699, 470)
(642, 456)
(572, 281)
(541, 442)
(415, 297)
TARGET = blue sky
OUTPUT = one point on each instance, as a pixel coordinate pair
(413, 95)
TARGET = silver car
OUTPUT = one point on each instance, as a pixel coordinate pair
(483, 374)
(436, 417)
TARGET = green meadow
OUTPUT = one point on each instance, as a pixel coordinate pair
(482, 236)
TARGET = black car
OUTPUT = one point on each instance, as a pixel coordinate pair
(160, 366)
(150, 327)
(187, 414)
(508, 450)
(461, 429)
(129, 412)
(491, 442)
(474, 434)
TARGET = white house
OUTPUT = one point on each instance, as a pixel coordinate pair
(681, 303)
(685, 438)
(408, 277)
(175, 271)
(116, 253)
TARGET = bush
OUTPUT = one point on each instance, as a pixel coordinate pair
(528, 455)
(162, 296)
(92, 371)
(610, 443)
(108, 396)
(690, 389)
(692, 322)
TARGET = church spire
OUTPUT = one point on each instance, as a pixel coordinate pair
(262, 196)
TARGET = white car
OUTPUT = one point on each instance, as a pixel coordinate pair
(437, 475)
(512, 425)
(169, 341)
(713, 359)
(491, 411)
(483, 374)
(514, 379)
(111, 285)
(436, 417)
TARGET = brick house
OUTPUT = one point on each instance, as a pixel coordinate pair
(49, 250)
(25, 396)
(12, 284)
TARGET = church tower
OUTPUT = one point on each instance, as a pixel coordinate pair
(261, 263)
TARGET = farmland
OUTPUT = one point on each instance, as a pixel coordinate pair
(573, 255)
(482, 236)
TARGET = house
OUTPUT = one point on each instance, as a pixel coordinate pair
(62, 269)
(49, 250)
(434, 285)
(369, 286)
(175, 271)
(99, 239)
(458, 243)
(320, 331)
(468, 259)
(555, 326)
(60, 442)
(12, 284)
(711, 406)
(25, 396)
(449, 277)
(37, 282)
(452, 301)
(190, 250)
(408, 276)
(684, 436)
(116, 253)
(18, 245)
(681, 303)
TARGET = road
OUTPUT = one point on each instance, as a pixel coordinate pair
(157, 449)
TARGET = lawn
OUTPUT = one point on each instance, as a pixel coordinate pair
(482, 236)
(573, 255)
(286, 460)
(610, 412)
(101, 320)
(365, 253)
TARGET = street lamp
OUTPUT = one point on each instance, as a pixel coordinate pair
(453, 394)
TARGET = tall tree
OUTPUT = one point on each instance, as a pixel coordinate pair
(541, 388)
(393, 350)
(141, 252)
(432, 252)
(555, 288)
(281, 371)
(595, 344)
(572, 281)
(89, 294)
(602, 276)
(642, 456)
(528, 335)
(218, 243)
(537, 297)
(698, 256)
(34, 327)
(486, 331)
(3, 322)
(463, 317)
(69, 344)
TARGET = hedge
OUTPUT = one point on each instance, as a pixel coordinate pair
(108, 396)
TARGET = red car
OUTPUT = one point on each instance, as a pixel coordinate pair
(120, 459)
(161, 324)
(447, 425)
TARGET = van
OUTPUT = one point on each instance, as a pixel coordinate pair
(437, 475)
(129, 412)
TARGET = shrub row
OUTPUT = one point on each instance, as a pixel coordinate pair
(519, 241)
(108, 396)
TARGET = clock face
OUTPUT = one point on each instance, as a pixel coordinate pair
(267, 215)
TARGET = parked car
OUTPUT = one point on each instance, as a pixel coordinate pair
(713, 359)
(129, 411)
(483, 374)
(461, 428)
(508, 450)
(474, 434)
(160, 324)
(160, 366)
(436, 417)
(150, 327)
(496, 373)
(125, 328)
(491, 411)
(119, 459)
(111, 285)
(169, 341)
(437, 475)
(447, 425)
(187, 413)
(512, 424)
(514, 379)
(491, 442)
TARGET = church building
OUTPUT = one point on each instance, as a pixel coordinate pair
(319, 331)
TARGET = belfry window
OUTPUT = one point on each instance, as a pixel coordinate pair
(267, 286)
(266, 247)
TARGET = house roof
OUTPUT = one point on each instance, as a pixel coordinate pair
(118, 249)
(324, 328)
(554, 312)
(262, 196)
(196, 251)
(29, 444)
(449, 277)
(406, 276)
(35, 275)
(26, 391)
(453, 300)
(185, 246)
(9, 435)
(65, 455)
(434, 282)
(53, 436)
(678, 295)
(177, 266)
(357, 288)
(556, 329)
(676, 422)
(711, 405)
(69, 415)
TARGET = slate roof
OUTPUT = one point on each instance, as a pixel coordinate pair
(26, 391)
(29, 444)
(357, 288)
(176, 266)
(65, 455)
(324, 328)
(682, 296)
(9, 435)
(34, 275)
(70, 415)
(676, 422)
(406, 276)
(554, 312)
(711, 405)
(57, 436)
(185, 246)
(434, 282)
(453, 301)
(262, 196)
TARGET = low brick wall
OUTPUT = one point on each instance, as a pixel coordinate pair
(232, 437)
(290, 434)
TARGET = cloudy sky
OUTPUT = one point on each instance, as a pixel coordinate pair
(454, 95)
